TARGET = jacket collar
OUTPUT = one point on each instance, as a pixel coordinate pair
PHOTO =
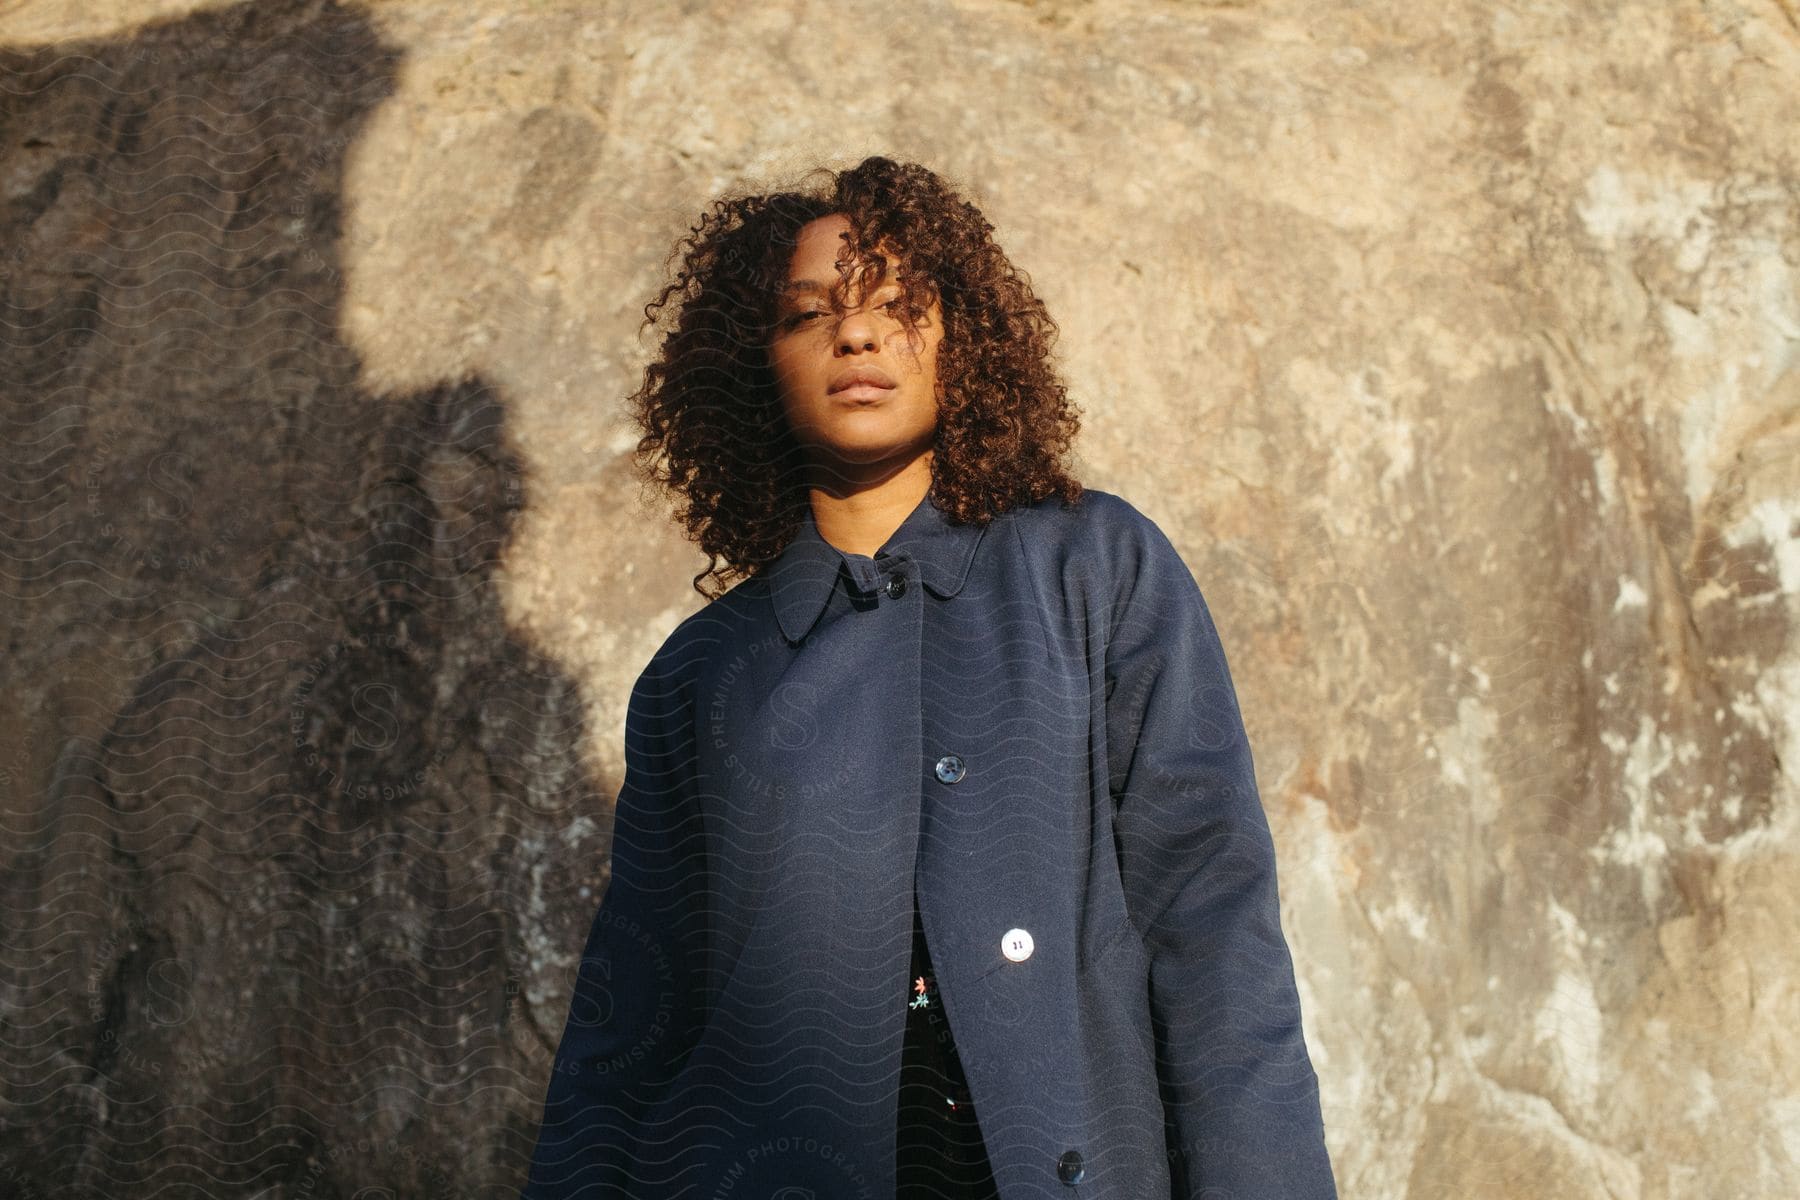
(802, 578)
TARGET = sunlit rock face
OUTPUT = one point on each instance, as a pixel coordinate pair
(1454, 346)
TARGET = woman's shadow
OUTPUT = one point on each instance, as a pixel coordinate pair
(301, 846)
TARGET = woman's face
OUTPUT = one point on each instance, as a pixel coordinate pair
(819, 354)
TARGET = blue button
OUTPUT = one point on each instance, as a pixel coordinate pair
(1069, 1168)
(950, 769)
(896, 586)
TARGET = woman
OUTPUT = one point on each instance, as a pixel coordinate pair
(939, 867)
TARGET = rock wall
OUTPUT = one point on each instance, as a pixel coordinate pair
(1455, 346)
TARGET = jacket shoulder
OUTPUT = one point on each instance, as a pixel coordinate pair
(1102, 531)
(1126, 570)
(715, 627)
(1094, 513)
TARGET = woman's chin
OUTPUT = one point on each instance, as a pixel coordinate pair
(867, 451)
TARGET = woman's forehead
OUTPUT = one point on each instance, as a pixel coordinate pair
(822, 252)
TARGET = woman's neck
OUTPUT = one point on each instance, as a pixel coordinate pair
(860, 519)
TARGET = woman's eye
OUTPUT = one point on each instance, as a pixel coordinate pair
(801, 318)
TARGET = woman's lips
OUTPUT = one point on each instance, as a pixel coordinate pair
(862, 391)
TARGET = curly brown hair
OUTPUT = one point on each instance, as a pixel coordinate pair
(714, 434)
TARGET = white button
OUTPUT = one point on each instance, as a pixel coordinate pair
(1016, 945)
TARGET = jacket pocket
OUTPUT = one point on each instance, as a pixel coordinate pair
(1122, 968)
(1122, 937)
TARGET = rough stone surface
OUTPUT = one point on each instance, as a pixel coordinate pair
(1454, 345)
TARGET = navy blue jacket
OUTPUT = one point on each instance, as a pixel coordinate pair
(1033, 725)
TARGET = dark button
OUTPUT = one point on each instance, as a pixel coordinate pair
(1069, 1168)
(896, 586)
(950, 768)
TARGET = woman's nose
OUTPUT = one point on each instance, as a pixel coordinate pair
(857, 331)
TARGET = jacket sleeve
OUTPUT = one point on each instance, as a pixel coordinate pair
(634, 1011)
(1241, 1101)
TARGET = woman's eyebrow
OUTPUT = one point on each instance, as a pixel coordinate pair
(813, 285)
